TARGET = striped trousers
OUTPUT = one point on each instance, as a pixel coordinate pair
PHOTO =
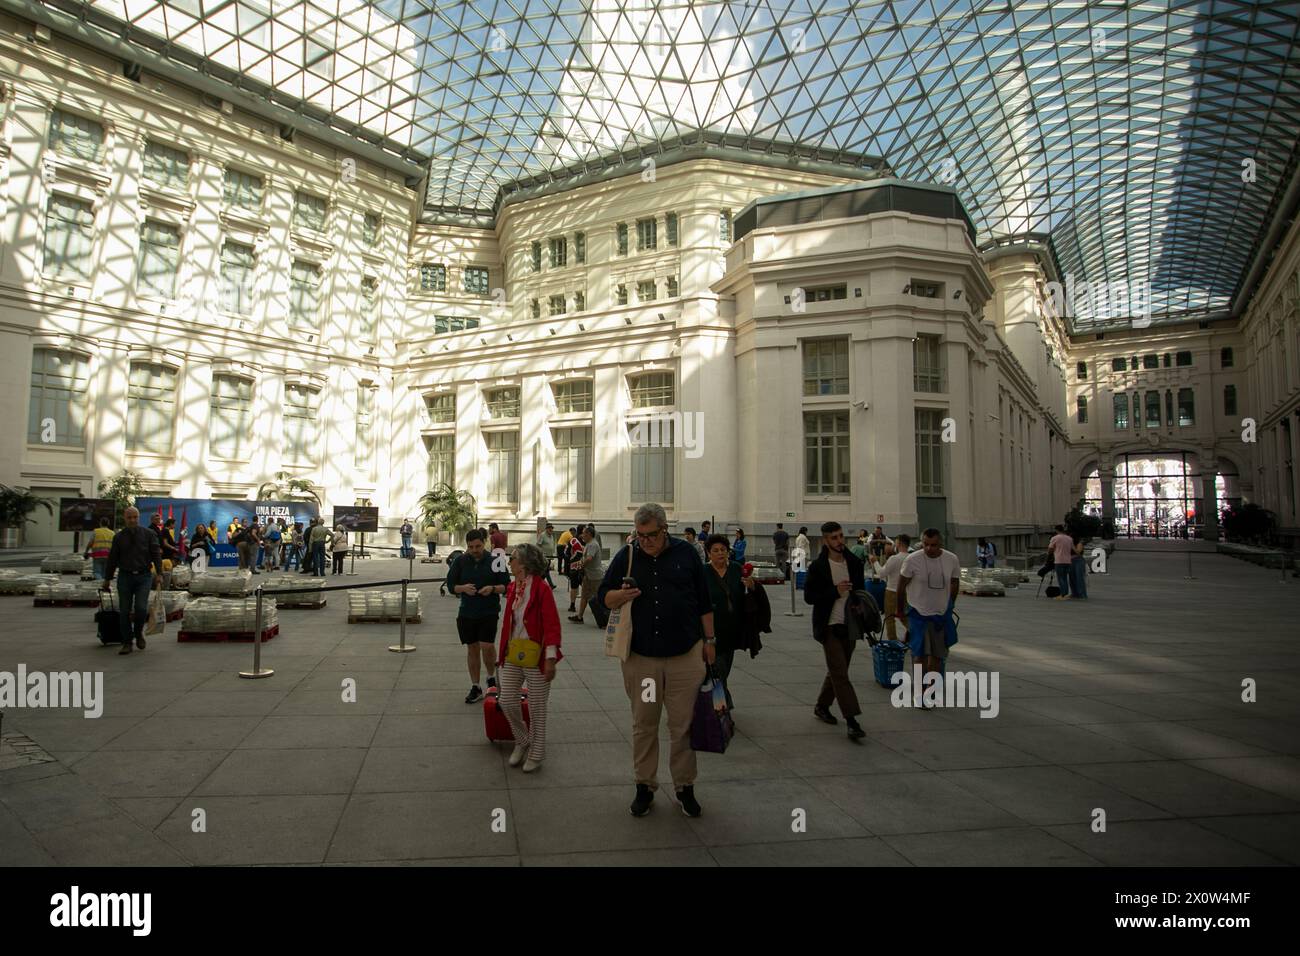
(511, 677)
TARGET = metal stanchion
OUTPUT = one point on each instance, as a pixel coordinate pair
(1190, 576)
(402, 647)
(792, 612)
(353, 572)
(258, 670)
(1282, 567)
(410, 564)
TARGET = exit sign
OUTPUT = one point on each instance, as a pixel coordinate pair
(789, 514)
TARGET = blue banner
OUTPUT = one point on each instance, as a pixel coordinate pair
(188, 512)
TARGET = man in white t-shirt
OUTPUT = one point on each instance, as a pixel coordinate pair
(893, 567)
(928, 585)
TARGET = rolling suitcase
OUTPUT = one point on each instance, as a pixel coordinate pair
(494, 718)
(109, 626)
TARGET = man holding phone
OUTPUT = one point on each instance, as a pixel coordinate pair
(672, 643)
(480, 589)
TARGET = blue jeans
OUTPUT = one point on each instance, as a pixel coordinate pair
(1063, 579)
(133, 596)
(292, 560)
(318, 559)
(101, 567)
(406, 542)
(1078, 577)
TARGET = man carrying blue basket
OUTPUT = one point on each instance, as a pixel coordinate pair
(928, 586)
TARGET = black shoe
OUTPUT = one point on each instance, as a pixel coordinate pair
(855, 732)
(685, 798)
(492, 682)
(644, 799)
(824, 715)
(126, 648)
(139, 641)
(474, 695)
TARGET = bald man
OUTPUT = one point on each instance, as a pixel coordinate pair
(137, 553)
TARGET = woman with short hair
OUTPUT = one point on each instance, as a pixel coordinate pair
(727, 587)
(339, 548)
(529, 651)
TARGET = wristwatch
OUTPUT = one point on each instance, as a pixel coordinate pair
(710, 641)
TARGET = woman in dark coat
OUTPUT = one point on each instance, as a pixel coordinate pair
(727, 587)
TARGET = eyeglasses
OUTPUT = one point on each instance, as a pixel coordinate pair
(649, 535)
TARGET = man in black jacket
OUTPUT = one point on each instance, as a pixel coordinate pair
(137, 555)
(835, 573)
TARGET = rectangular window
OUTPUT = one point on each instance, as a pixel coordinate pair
(304, 295)
(433, 277)
(826, 367)
(572, 464)
(537, 256)
(1082, 371)
(1186, 407)
(503, 403)
(1081, 408)
(724, 226)
(231, 413)
(671, 283)
(442, 459)
(1137, 410)
(825, 293)
(440, 409)
(60, 381)
(579, 301)
(1169, 408)
(1230, 399)
(309, 211)
(476, 280)
(243, 190)
(1167, 362)
(670, 228)
(1182, 358)
(927, 290)
(927, 364)
(620, 295)
(1153, 410)
(369, 316)
(365, 450)
(1117, 365)
(580, 247)
(1121, 411)
(559, 252)
(536, 308)
(929, 451)
(168, 167)
(69, 238)
(1225, 357)
(826, 453)
(75, 135)
(646, 235)
(1150, 361)
(370, 224)
(1133, 363)
(572, 397)
(237, 264)
(556, 305)
(300, 403)
(652, 460)
(503, 466)
(150, 407)
(621, 238)
(653, 390)
(160, 258)
(645, 290)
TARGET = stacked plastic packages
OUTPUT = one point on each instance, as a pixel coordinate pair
(173, 601)
(226, 582)
(383, 605)
(24, 582)
(212, 615)
(981, 582)
(63, 564)
(80, 591)
(306, 596)
(182, 575)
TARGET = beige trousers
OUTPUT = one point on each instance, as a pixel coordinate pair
(675, 682)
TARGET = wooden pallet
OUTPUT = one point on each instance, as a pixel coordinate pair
(46, 602)
(194, 637)
(382, 619)
(299, 607)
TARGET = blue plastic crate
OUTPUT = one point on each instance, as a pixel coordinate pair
(887, 659)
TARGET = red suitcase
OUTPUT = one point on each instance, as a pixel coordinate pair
(494, 718)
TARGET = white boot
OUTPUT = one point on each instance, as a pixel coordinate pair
(530, 765)
(517, 757)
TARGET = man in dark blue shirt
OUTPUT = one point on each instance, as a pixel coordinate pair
(480, 586)
(672, 640)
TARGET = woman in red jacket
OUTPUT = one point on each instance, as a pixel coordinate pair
(529, 650)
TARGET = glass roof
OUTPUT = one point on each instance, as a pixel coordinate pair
(1126, 132)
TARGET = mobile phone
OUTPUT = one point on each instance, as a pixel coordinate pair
(629, 582)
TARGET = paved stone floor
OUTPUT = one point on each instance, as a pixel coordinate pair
(1130, 702)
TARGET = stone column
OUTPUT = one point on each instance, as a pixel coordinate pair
(1206, 505)
(1106, 474)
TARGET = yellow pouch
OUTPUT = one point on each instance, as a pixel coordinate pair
(523, 652)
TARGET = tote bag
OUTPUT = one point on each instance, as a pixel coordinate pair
(157, 615)
(618, 630)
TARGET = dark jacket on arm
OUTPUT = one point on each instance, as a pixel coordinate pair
(819, 588)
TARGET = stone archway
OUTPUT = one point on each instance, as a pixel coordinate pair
(1149, 491)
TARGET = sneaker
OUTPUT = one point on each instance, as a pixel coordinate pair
(126, 648)
(643, 801)
(824, 715)
(492, 682)
(139, 641)
(518, 754)
(855, 731)
(474, 695)
(530, 765)
(685, 798)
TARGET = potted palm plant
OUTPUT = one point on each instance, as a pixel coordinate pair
(123, 489)
(452, 510)
(283, 485)
(15, 506)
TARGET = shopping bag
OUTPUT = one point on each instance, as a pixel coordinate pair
(711, 724)
(157, 615)
(618, 631)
